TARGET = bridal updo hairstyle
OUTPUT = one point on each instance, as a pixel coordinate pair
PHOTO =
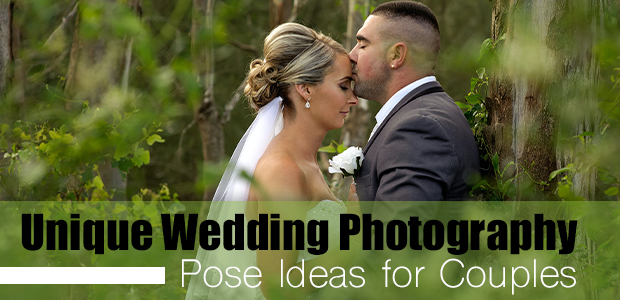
(294, 54)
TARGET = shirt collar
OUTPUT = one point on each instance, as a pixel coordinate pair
(396, 98)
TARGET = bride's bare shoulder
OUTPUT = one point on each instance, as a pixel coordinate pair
(278, 171)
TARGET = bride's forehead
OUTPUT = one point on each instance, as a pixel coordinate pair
(341, 67)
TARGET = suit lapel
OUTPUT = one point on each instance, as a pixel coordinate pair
(427, 88)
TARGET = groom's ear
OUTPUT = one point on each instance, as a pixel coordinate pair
(397, 54)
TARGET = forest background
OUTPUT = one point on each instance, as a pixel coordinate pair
(99, 73)
(140, 100)
(116, 99)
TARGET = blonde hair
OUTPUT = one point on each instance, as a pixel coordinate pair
(294, 54)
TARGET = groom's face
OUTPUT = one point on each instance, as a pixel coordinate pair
(371, 70)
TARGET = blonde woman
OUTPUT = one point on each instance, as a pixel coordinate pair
(301, 89)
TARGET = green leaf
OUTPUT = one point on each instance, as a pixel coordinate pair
(150, 211)
(328, 149)
(341, 148)
(495, 162)
(67, 138)
(612, 191)
(501, 38)
(473, 99)
(564, 191)
(586, 133)
(512, 191)
(481, 72)
(25, 137)
(97, 182)
(124, 164)
(463, 105)
(479, 184)
(46, 213)
(176, 208)
(3, 144)
(4, 128)
(54, 134)
(164, 190)
(118, 208)
(154, 138)
(87, 174)
(485, 48)
(122, 150)
(24, 155)
(136, 198)
(506, 167)
(473, 83)
(141, 157)
(556, 172)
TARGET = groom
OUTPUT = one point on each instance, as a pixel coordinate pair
(422, 148)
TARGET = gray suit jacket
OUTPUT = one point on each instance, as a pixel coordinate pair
(423, 151)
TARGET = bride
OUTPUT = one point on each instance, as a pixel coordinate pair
(301, 90)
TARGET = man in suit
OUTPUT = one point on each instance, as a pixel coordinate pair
(422, 148)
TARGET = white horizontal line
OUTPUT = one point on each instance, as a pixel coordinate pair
(82, 275)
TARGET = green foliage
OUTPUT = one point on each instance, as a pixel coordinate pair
(67, 159)
(499, 188)
(475, 109)
(333, 148)
(496, 187)
(57, 144)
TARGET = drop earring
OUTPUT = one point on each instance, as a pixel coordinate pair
(308, 103)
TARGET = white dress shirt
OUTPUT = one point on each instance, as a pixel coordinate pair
(396, 98)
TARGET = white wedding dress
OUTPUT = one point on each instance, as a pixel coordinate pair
(230, 199)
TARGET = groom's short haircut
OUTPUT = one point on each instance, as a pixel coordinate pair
(414, 23)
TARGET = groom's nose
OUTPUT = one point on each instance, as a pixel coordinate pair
(353, 55)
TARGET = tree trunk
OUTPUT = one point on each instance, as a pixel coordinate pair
(542, 92)
(73, 58)
(207, 116)
(355, 130)
(520, 118)
(95, 65)
(5, 43)
(536, 74)
(280, 11)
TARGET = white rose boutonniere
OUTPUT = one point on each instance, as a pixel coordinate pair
(348, 162)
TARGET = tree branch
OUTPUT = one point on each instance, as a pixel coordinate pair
(294, 11)
(5, 44)
(61, 27)
(125, 79)
(244, 47)
(51, 67)
(233, 102)
(179, 153)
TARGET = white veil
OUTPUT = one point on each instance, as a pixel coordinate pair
(230, 199)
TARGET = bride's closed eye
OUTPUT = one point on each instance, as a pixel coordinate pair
(345, 85)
